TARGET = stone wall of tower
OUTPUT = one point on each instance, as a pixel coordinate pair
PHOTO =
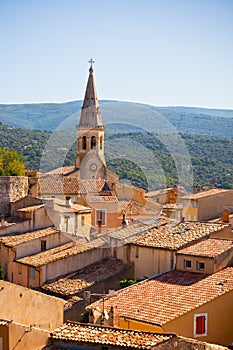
(12, 188)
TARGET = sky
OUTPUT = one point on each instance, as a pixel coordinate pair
(158, 52)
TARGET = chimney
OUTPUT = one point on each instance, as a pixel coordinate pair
(195, 189)
(211, 185)
(225, 216)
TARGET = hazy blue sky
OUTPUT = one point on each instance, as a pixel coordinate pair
(165, 53)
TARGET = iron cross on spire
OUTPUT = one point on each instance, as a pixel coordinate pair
(91, 62)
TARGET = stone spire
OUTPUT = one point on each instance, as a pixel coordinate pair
(90, 115)
(90, 152)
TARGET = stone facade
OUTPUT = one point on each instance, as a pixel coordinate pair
(12, 188)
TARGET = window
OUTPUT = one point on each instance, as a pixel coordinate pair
(189, 217)
(101, 217)
(19, 269)
(43, 245)
(82, 220)
(200, 325)
(187, 264)
(136, 252)
(200, 266)
(84, 142)
(93, 142)
(32, 273)
(195, 217)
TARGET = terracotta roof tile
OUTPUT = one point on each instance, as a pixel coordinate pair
(58, 184)
(62, 208)
(32, 208)
(59, 171)
(120, 338)
(80, 280)
(91, 186)
(208, 248)
(61, 252)
(98, 198)
(15, 239)
(207, 193)
(175, 237)
(129, 233)
(168, 296)
(131, 207)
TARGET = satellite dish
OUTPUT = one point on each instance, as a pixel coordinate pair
(106, 314)
(71, 201)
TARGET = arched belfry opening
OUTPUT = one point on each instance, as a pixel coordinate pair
(84, 142)
(93, 142)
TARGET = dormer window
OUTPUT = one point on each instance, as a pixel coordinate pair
(187, 264)
(200, 266)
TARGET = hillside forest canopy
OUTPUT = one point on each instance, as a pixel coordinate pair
(210, 156)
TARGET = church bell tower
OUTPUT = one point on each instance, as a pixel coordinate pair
(90, 153)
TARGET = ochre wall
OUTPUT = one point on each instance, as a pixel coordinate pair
(26, 337)
(150, 261)
(219, 325)
(26, 306)
(209, 263)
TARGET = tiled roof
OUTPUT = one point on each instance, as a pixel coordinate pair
(168, 296)
(61, 252)
(91, 186)
(76, 208)
(128, 233)
(32, 208)
(109, 336)
(131, 207)
(59, 171)
(58, 184)
(98, 198)
(86, 277)
(175, 237)
(208, 248)
(204, 194)
(15, 239)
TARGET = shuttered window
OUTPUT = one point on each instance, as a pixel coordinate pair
(200, 325)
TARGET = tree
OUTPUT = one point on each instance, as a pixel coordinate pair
(11, 163)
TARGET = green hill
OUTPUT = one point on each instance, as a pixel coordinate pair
(131, 116)
(145, 159)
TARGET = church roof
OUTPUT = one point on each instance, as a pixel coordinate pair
(90, 116)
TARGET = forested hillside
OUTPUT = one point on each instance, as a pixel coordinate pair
(190, 120)
(211, 157)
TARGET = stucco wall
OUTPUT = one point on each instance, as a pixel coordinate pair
(34, 246)
(24, 337)
(75, 262)
(211, 207)
(27, 307)
(209, 263)
(149, 261)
